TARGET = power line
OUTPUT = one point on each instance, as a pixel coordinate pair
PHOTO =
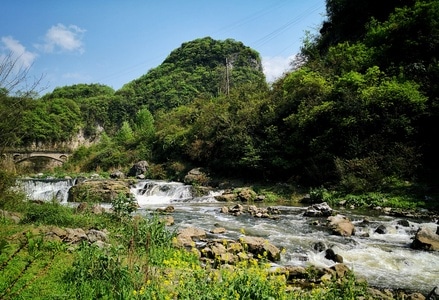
(267, 38)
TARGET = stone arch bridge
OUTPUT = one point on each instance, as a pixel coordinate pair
(20, 156)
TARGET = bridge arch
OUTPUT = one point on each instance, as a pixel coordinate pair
(19, 157)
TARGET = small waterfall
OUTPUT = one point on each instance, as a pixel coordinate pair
(151, 192)
(46, 189)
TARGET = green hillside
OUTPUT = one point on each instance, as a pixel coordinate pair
(358, 111)
(203, 68)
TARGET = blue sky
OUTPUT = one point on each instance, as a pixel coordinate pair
(113, 42)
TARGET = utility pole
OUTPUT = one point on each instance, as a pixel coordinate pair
(227, 78)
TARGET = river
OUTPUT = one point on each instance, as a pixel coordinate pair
(384, 260)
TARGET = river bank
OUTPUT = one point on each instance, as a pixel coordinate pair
(384, 260)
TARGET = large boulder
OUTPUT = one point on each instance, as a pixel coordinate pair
(97, 191)
(197, 177)
(247, 195)
(426, 239)
(139, 168)
(318, 210)
(341, 225)
(227, 197)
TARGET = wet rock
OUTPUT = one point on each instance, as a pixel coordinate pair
(319, 246)
(318, 210)
(331, 255)
(257, 212)
(403, 223)
(273, 210)
(236, 210)
(341, 225)
(167, 209)
(426, 239)
(381, 229)
(434, 294)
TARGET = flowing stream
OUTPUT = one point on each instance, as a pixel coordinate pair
(384, 260)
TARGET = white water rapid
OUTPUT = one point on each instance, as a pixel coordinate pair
(384, 260)
(46, 189)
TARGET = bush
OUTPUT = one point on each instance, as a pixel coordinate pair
(124, 205)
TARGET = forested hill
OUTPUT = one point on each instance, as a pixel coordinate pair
(202, 68)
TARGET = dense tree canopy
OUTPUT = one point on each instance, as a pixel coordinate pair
(359, 110)
(202, 68)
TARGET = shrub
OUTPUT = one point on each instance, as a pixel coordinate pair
(124, 205)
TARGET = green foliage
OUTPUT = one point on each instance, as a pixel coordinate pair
(123, 205)
(148, 233)
(79, 91)
(125, 135)
(202, 68)
(49, 213)
(144, 126)
(98, 274)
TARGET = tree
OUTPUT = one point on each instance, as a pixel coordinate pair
(14, 78)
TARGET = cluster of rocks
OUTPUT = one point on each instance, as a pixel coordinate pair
(425, 238)
(216, 251)
(242, 194)
(225, 251)
(258, 212)
(74, 236)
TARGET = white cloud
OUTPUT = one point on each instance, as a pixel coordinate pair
(275, 67)
(62, 38)
(23, 58)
